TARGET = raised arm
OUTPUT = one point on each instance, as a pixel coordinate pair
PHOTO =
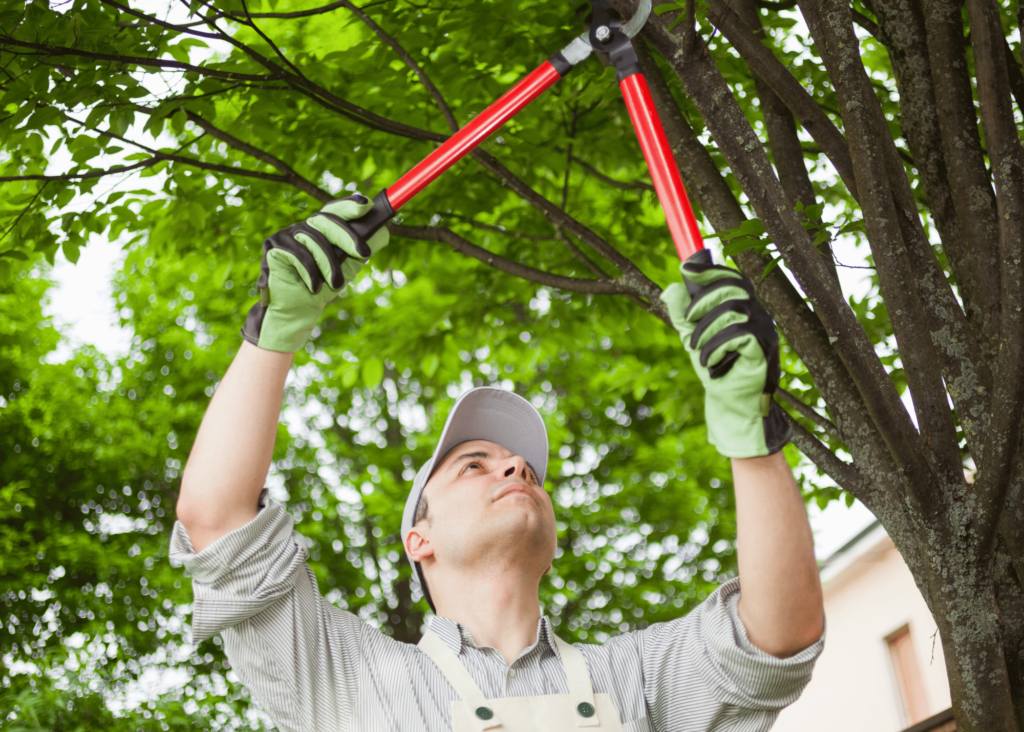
(229, 461)
(734, 347)
(780, 600)
(303, 268)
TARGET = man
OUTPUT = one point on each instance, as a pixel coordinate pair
(479, 529)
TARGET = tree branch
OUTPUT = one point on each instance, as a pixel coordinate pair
(875, 161)
(151, 20)
(87, 176)
(459, 244)
(1016, 76)
(317, 93)
(866, 23)
(434, 92)
(902, 31)
(966, 373)
(24, 211)
(252, 24)
(557, 216)
(497, 229)
(799, 324)
(1003, 439)
(846, 476)
(807, 112)
(970, 181)
(288, 173)
(746, 157)
(621, 185)
(807, 412)
(787, 153)
(145, 61)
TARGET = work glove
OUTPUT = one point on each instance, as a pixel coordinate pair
(734, 347)
(304, 267)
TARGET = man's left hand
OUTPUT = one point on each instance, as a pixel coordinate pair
(733, 345)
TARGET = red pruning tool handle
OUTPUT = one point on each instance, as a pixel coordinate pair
(389, 200)
(463, 141)
(682, 224)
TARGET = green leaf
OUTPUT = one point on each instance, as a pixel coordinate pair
(740, 245)
(71, 250)
(430, 363)
(752, 227)
(373, 372)
(123, 120)
(368, 169)
(770, 266)
(13, 254)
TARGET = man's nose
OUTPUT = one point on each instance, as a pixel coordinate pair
(515, 466)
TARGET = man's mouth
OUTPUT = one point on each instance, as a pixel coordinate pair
(513, 488)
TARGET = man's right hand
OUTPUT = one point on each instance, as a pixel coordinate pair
(304, 267)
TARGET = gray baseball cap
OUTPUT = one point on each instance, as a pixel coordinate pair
(483, 413)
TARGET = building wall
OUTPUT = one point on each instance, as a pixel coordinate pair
(869, 595)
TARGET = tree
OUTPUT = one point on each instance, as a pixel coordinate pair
(895, 127)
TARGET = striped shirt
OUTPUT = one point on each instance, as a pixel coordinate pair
(316, 668)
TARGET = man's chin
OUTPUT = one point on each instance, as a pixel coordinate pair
(519, 521)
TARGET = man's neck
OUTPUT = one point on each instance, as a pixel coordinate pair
(500, 610)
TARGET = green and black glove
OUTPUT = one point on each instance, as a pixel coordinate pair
(305, 267)
(733, 345)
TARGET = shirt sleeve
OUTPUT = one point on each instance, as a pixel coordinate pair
(702, 672)
(296, 653)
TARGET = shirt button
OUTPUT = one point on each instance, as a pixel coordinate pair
(484, 713)
(511, 673)
(585, 709)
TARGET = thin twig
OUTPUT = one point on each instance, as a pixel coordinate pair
(810, 413)
(434, 92)
(846, 475)
(447, 236)
(24, 211)
(621, 185)
(498, 229)
(265, 37)
(145, 61)
(150, 20)
(866, 23)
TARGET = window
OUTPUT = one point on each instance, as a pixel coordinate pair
(908, 675)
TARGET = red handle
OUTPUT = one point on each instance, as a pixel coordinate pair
(472, 134)
(667, 184)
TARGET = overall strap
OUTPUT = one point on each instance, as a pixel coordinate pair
(581, 690)
(484, 716)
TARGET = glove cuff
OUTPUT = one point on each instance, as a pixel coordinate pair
(777, 429)
(254, 323)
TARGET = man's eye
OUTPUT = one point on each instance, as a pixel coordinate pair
(471, 465)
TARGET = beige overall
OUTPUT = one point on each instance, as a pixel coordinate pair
(581, 710)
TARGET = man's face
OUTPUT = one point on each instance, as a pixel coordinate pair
(486, 507)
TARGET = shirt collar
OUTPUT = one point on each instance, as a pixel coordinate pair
(457, 636)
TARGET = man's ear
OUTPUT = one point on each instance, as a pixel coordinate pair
(418, 545)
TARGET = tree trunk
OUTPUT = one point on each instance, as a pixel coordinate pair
(972, 632)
